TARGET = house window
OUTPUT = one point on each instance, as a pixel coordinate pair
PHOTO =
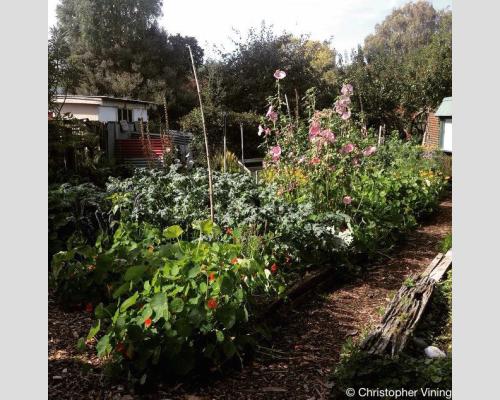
(446, 135)
(124, 115)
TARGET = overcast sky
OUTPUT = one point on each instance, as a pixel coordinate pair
(212, 22)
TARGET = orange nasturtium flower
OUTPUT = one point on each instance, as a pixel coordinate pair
(229, 231)
(147, 322)
(212, 304)
(211, 277)
(234, 261)
(274, 268)
(89, 308)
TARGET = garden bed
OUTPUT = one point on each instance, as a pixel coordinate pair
(305, 341)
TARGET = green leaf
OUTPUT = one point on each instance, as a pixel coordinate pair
(103, 346)
(228, 348)
(134, 273)
(177, 305)
(227, 316)
(121, 290)
(193, 272)
(80, 345)
(129, 302)
(172, 232)
(206, 227)
(219, 335)
(93, 331)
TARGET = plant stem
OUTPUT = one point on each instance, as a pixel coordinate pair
(210, 188)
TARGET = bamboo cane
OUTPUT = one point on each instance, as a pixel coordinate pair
(210, 188)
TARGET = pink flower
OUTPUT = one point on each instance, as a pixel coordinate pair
(346, 115)
(369, 151)
(314, 129)
(347, 89)
(275, 152)
(314, 161)
(278, 74)
(260, 131)
(267, 131)
(347, 200)
(271, 114)
(348, 148)
(328, 135)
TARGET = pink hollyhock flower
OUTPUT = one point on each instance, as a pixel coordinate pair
(348, 148)
(328, 135)
(346, 115)
(271, 114)
(278, 74)
(260, 131)
(275, 152)
(347, 89)
(344, 101)
(314, 129)
(347, 200)
(267, 131)
(314, 161)
(369, 151)
(269, 111)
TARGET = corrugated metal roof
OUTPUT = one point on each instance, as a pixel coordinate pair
(444, 110)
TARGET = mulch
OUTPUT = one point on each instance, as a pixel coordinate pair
(300, 359)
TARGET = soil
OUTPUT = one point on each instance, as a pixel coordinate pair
(299, 361)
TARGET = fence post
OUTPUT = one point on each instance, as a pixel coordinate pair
(225, 145)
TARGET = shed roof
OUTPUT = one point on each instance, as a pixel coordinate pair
(96, 99)
(444, 110)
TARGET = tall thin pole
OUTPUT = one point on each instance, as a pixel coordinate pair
(210, 188)
(225, 145)
(242, 154)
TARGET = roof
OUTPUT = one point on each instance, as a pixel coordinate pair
(444, 110)
(74, 98)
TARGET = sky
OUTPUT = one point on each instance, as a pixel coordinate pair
(346, 22)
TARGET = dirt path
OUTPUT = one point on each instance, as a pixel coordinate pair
(304, 351)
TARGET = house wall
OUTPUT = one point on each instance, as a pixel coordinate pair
(82, 111)
(139, 113)
(433, 132)
(107, 114)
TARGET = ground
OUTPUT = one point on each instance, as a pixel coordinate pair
(299, 362)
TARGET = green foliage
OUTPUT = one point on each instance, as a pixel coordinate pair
(170, 304)
(446, 244)
(173, 198)
(76, 215)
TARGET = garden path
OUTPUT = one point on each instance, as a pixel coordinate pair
(305, 349)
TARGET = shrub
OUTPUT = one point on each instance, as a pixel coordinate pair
(177, 303)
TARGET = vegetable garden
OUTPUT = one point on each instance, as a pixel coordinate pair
(172, 291)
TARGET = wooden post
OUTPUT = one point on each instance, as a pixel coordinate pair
(210, 188)
(242, 153)
(379, 135)
(288, 107)
(225, 145)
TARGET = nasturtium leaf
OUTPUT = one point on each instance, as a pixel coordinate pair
(228, 348)
(203, 287)
(193, 272)
(93, 331)
(134, 273)
(219, 335)
(206, 227)
(129, 302)
(172, 232)
(121, 290)
(177, 305)
(100, 311)
(80, 345)
(227, 316)
(103, 346)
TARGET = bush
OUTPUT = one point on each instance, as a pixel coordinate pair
(176, 303)
(77, 213)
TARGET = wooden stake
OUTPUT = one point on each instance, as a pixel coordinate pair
(225, 145)
(242, 154)
(210, 188)
(379, 135)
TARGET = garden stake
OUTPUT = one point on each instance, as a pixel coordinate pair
(210, 189)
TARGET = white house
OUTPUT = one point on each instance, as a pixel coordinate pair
(104, 108)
